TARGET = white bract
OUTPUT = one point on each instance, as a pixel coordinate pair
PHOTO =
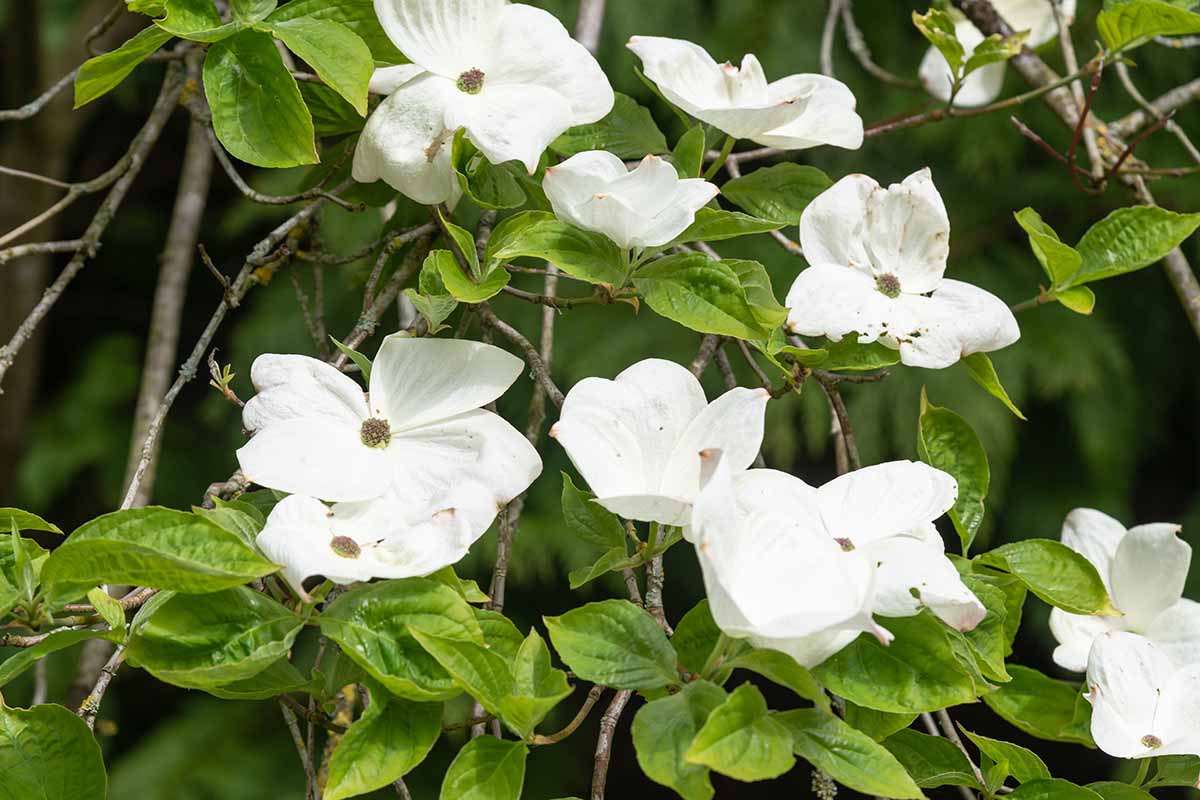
(646, 207)
(420, 438)
(984, 84)
(877, 259)
(1144, 569)
(637, 439)
(360, 541)
(509, 74)
(1143, 703)
(792, 113)
(801, 570)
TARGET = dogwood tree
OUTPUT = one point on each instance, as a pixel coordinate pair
(491, 143)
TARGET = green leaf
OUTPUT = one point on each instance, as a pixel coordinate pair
(756, 283)
(615, 643)
(1040, 706)
(100, 75)
(784, 670)
(742, 739)
(688, 154)
(151, 8)
(487, 768)
(980, 368)
(695, 638)
(109, 609)
(779, 193)
(1052, 789)
(278, 678)
(917, 672)
(1131, 24)
(362, 362)
(390, 738)
(154, 547)
(1079, 299)
(258, 113)
(197, 20)
(24, 521)
(612, 559)
(715, 224)
(848, 756)
(1055, 573)
(1112, 790)
(433, 301)
(233, 520)
(589, 520)
(332, 116)
(1059, 261)
(988, 640)
(460, 286)
(48, 753)
(25, 658)
(373, 625)
(946, 441)
(199, 641)
(1130, 239)
(537, 687)
(489, 185)
(339, 57)
(500, 635)
(538, 234)
(663, 731)
(1176, 771)
(628, 131)
(994, 49)
(699, 293)
(481, 673)
(847, 355)
(1023, 764)
(357, 15)
(467, 589)
(463, 241)
(938, 27)
(879, 725)
(931, 760)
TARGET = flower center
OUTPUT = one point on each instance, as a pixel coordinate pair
(375, 432)
(846, 544)
(888, 285)
(1151, 741)
(345, 547)
(470, 81)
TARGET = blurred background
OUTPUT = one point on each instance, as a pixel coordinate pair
(1111, 399)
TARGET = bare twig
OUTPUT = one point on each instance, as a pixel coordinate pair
(858, 46)
(102, 27)
(369, 319)
(33, 107)
(588, 24)
(1172, 127)
(1168, 102)
(608, 727)
(310, 775)
(90, 706)
(708, 348)
(40, 248)
(541, 372)
(827, 35)
(35, 177)
(574, 724)
(393, 244)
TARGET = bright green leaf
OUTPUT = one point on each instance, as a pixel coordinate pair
(848, 756)
(946, 441)
(938, 27)
(1131, 24)
(879, 725)
(628, 132)
(699, 293)
(48, 753)
(1040, 706)
(1079, 299)
(1130, 239)
(339, 57)
(663, 731)
(589, 520)
(782, 669)
(100, 75)
(1059, 260)
(688, 153)
(24, 521)
(25, 658)
(742, 739)
(614, 643)
(716, 224)
(1055, 573)
(1023, 764)
(932, 761)
(756, 283)
(1052, 789)
(779, 193)
(538, 234)
(459, 285)
(487, 768)
(357, 15)
(980, 368)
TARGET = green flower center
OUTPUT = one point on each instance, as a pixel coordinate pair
(345, 547)
(470, 81)
(375, 432)
(888, 285)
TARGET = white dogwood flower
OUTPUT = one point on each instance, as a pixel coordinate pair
(877, 259)
(646, 207)
(360, 541)
(421, 436)
(801, 569)
(1143, 703)
(792, 113)
(509, 74)
(983, 85)
(637, 439)
(1145, 569)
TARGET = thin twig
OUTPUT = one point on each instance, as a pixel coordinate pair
(33, 107)
(709, 345)
(1172, 127)
(827, 35)
(310, 775)
(608, 727)
(574, 724)
(33, 176)
(102, 27)
(90, 706)
(541, 373)
(588, 23)
(41, 248)
(858, 46)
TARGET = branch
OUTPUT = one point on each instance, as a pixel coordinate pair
(574, 724)
(90, 706)
(1171, 101)
(827, 34)
(33, 107)
(135, 158)
(40, 248)
(858, 46)
(541, 372)
(588, 23)
(608, 726)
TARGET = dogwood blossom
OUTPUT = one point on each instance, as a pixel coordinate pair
(646, 207)
(360, 541)
(1145, 569)
(420, 437)
(637, 439)
(877, 259)
(802, 569)
(1143, 703)
(792, 113)
(509, 74)
(983, 85)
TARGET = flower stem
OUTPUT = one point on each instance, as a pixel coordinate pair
(719, 162)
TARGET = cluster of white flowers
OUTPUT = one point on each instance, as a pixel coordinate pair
(416, 470)
(1143, 667)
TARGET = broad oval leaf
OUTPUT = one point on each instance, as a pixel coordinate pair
(155, 547)
(588, 519)
(946, 441)
(100, 75)
(48, 753)
(201, 641)
(848, 756)
(24, 521)
(1040, 706)
(628, 131)
(1129, 239)
(614, 643)
(663, 731)
(1052, 789)
(538, 234)
(932, 761)
(1055, 573)
(339, 57)
(357, 15)
(1131, 24)
(461, 287)
(779, 193)
(742, 739)
(716, 224)
(699, 293)
(487, 768)
(1023, 764)
(258, 113)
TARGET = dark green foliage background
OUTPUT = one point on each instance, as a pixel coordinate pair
(1112, 400)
